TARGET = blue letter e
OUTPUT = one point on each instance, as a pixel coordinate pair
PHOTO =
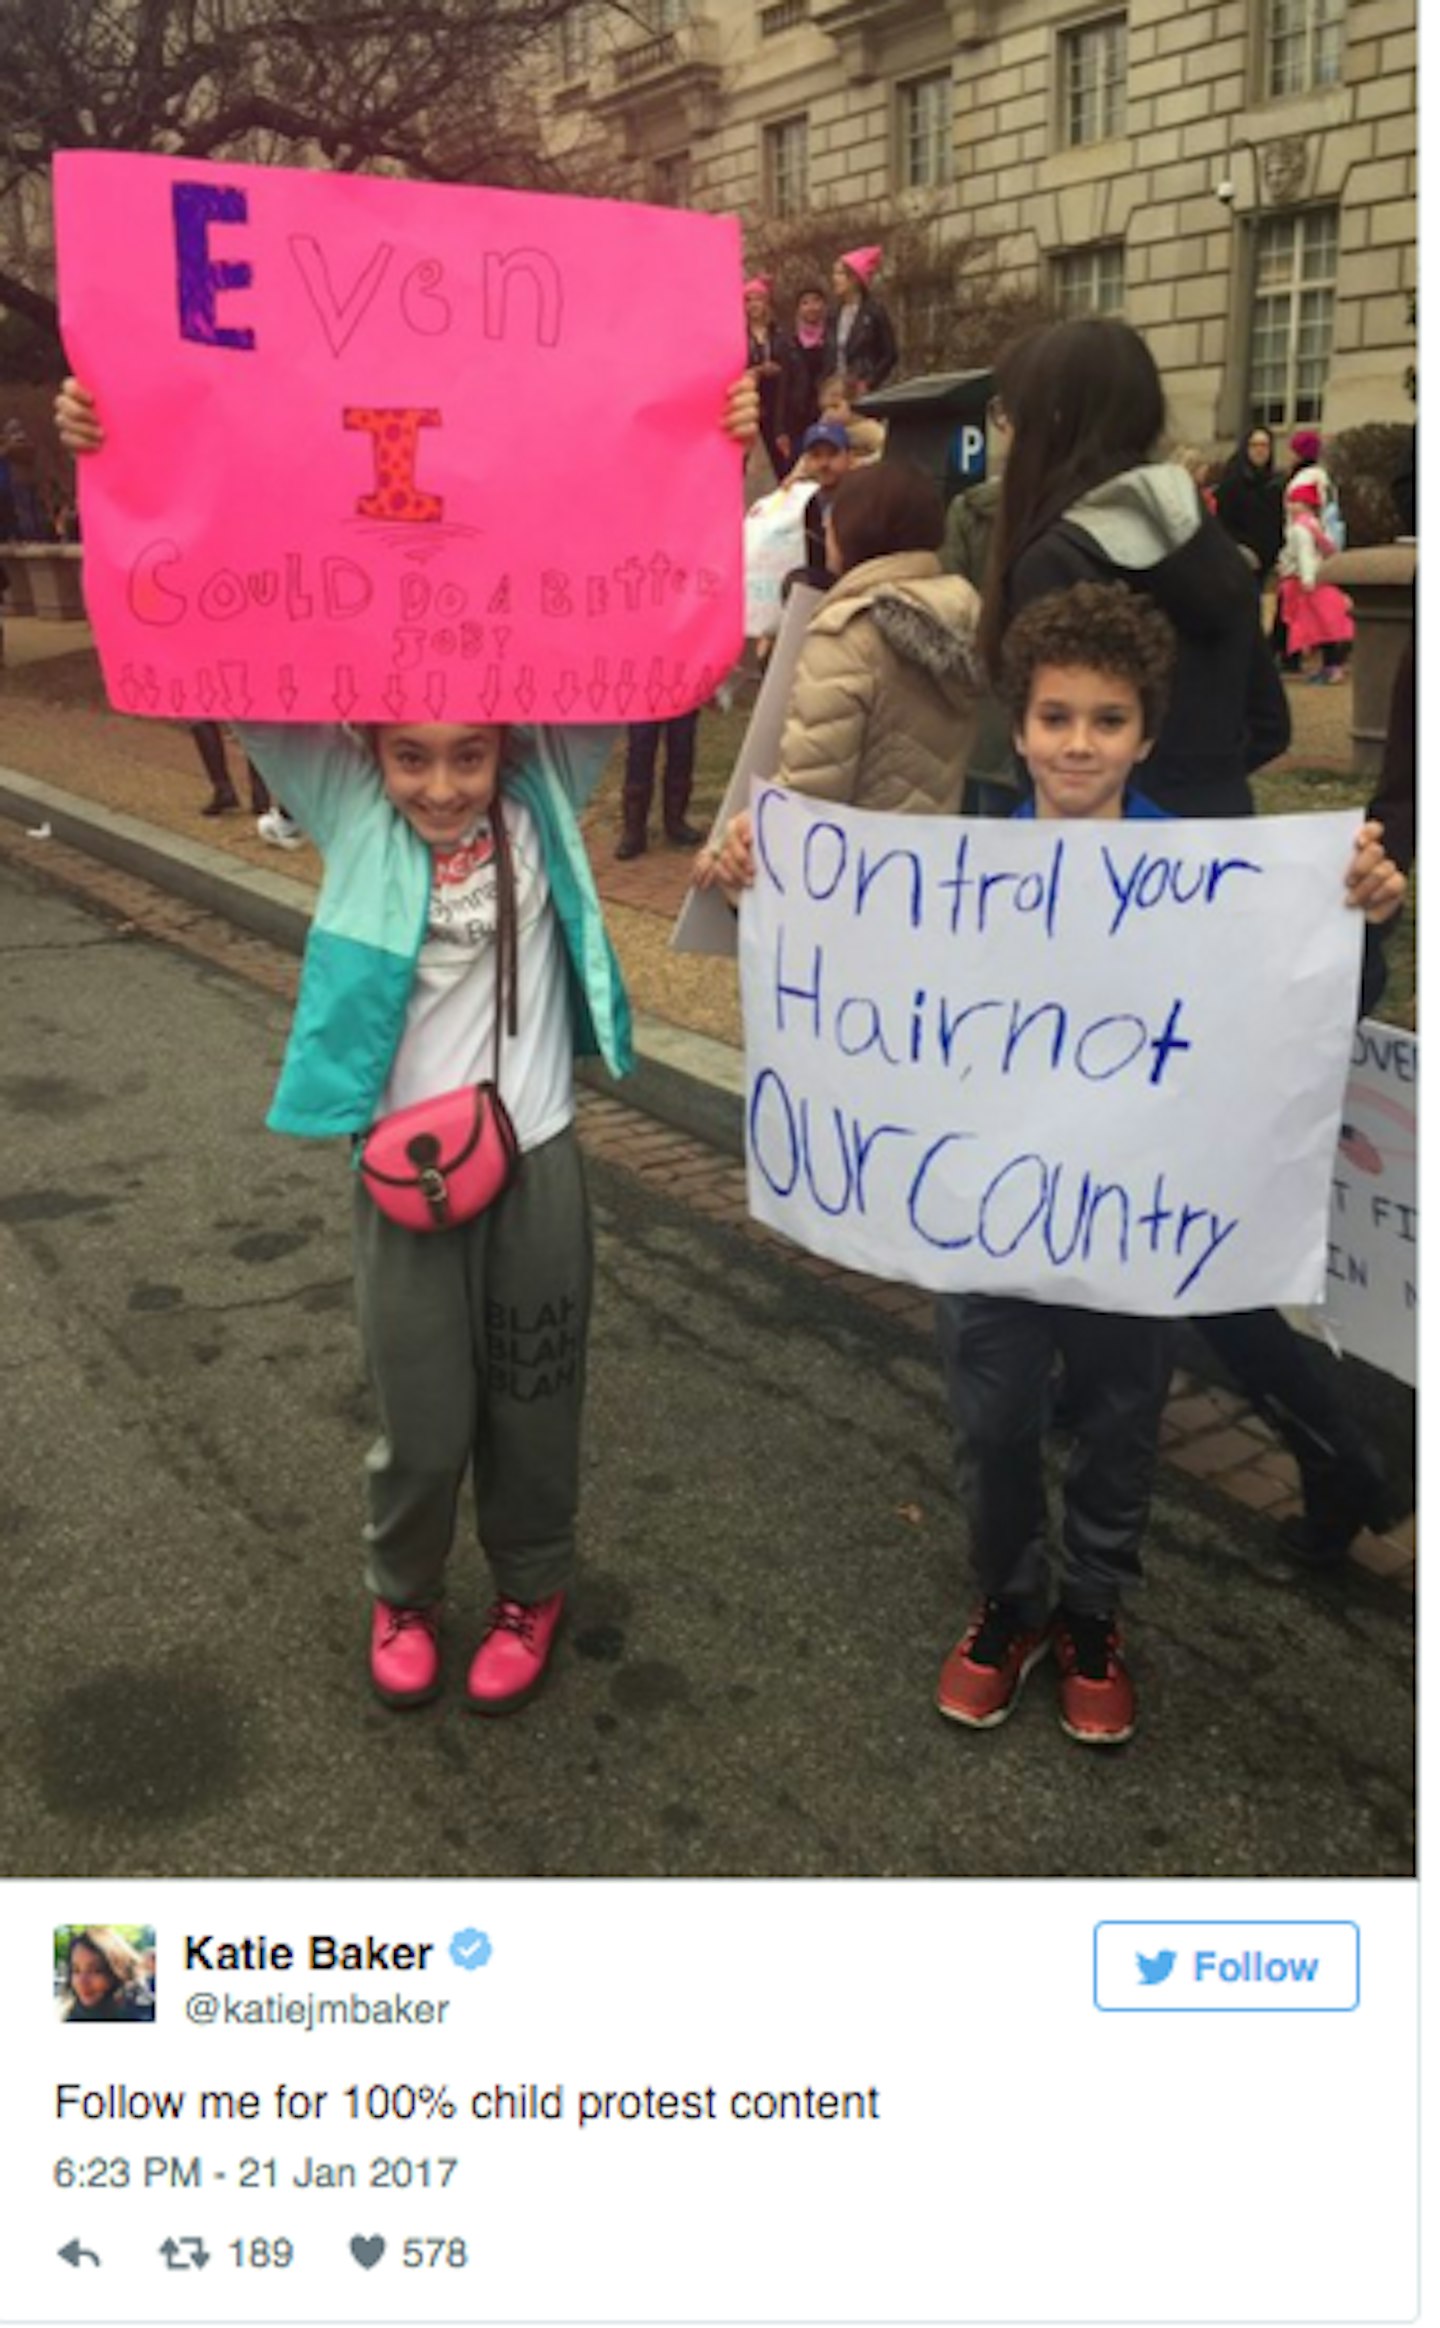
(198, 276)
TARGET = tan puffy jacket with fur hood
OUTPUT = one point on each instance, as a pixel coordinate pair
(885, 702)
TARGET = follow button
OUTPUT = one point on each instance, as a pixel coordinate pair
(1181, 1967)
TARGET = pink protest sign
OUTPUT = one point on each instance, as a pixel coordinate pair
(387, 451)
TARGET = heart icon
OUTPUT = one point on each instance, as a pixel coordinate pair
(367, 2252)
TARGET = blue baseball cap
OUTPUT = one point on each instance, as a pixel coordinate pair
(826, 432)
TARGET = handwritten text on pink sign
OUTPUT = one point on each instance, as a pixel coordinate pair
(384, 451)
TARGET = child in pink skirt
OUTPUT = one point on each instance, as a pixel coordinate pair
(1315, 613)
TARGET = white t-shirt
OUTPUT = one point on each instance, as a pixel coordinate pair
(449, 1033)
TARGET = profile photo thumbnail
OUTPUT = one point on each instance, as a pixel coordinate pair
(104, 1972)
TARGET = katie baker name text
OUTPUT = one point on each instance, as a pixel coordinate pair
(322, 1952)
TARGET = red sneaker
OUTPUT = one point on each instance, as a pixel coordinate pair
(509, 1665)
(981, 1679)
(405, 1653)
(1097, 1696)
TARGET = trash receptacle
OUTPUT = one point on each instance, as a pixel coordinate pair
(936, 420)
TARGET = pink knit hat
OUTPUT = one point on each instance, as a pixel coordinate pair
(758, 287)
(863, 262)
(1305, 444)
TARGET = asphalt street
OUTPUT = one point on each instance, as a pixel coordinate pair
(773, 1565)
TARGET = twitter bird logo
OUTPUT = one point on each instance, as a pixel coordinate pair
(1154, 1969)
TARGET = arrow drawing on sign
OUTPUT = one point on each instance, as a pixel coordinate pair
(631, 578)
(599, 688)
(345, 695)
(489, 688)
(655, 685)
(625, 688)
(150, 686)
(567, 693)
(286, 688)
(177, 696)
(437, 686)
(395, 696)
(235, 689)
(205, 690)
(525, 689)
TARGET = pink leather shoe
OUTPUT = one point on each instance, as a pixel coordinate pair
(405, 1653)
(510, 1663)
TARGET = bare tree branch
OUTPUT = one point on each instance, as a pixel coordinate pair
(441, 89)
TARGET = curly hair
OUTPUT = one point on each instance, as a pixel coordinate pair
(1093, 626)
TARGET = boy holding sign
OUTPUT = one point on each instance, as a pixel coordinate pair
(456, 879)
(1084, 675)
(1084, 679)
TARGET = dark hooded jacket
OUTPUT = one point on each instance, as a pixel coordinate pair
(1250, 504)
(1227, 713)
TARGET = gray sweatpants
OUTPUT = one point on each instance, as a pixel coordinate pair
(475, 1339)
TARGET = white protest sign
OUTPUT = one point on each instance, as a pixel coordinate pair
(774, 547)
(1095, 1064)
(1372, 1261)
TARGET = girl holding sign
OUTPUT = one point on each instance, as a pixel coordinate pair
(457, 960)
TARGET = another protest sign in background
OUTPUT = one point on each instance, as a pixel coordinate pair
(1097, 1064)
(1372, 1263)
(378, 450)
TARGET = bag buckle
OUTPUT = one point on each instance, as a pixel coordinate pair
(424, 1153)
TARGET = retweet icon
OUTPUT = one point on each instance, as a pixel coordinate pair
(1154, 1969)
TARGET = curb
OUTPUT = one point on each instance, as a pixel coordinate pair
(690, 1081)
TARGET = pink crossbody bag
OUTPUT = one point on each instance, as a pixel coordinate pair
(442, 1161)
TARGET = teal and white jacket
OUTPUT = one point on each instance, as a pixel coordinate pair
(374, 901)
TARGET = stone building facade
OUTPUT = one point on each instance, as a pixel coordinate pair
(1235, 177)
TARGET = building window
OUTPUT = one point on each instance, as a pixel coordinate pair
(1090, 282)
(787, 166)
(1304, 45)
(1296, 259)
(577, 41)
(781, 16)
(670, 180)
(663, 15)
(1092, 67)
(926, 138)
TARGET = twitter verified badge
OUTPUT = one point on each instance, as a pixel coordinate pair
(1179, 1967)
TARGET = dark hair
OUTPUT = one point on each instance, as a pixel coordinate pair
(888, 506)
(1084, 402)
(810, 291)
(1093, 626)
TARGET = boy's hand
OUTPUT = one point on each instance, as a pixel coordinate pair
(742, 410)
(1372, 884)
(75, 419)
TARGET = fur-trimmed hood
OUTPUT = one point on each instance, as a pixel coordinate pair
(926, 616)
(885, 701)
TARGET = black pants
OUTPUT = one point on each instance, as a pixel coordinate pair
(1295, 1385)
(641, 752)
(998, 1356)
